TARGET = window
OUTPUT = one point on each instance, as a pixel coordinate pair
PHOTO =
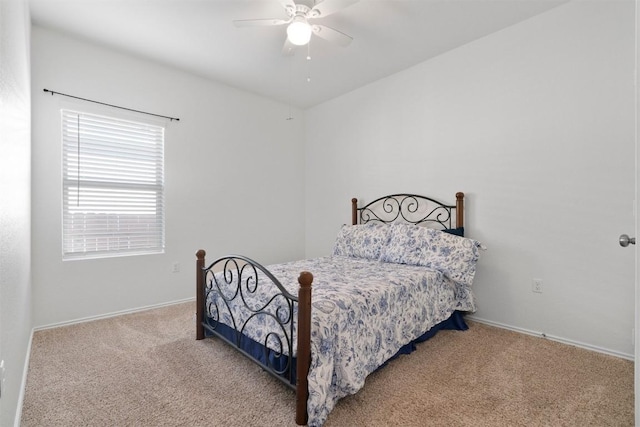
(113, 187)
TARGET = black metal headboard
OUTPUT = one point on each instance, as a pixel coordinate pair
(410, 208)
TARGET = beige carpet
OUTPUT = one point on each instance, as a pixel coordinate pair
(147, 369)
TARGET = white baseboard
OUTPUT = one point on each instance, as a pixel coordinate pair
(23, 383)
(553, 338)
(113, 314)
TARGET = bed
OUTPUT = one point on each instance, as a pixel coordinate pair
(400, 272)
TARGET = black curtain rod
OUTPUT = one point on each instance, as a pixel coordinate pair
(111, 105)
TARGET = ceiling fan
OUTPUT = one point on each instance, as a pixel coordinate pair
(299, 29)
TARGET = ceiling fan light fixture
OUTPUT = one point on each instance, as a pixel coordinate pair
(299, 31)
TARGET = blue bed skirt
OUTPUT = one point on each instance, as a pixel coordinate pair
(454, 322)
(257, 351)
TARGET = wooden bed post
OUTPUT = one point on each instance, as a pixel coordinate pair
(354, 211)
(304, 346)
(200, 294)
(459, 209)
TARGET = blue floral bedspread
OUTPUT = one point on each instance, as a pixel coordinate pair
(363, 311)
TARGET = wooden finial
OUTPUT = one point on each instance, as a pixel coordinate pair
(305, 279)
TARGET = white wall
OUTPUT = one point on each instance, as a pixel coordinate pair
(15, 199)
(232, 169)
(535, 124)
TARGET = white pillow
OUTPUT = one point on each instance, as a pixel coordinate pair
(453, 255)
(361, 241)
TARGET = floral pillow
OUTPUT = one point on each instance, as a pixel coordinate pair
(453, 255)
(361, 241)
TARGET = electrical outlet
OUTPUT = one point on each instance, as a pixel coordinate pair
(536, 286)
(175, 267)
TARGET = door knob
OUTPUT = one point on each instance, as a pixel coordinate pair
(626, 240)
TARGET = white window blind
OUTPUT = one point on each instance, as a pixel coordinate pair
(113, 186)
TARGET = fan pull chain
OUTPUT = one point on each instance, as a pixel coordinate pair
(290, 116)
(309, 62)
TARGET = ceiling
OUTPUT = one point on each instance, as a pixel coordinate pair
(198, 36)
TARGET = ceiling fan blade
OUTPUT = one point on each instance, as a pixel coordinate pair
(332, 35)
(327, 7)
(259, 22)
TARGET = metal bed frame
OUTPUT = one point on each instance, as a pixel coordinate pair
(237, 277)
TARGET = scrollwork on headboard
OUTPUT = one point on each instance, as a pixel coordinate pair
(410, 208)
